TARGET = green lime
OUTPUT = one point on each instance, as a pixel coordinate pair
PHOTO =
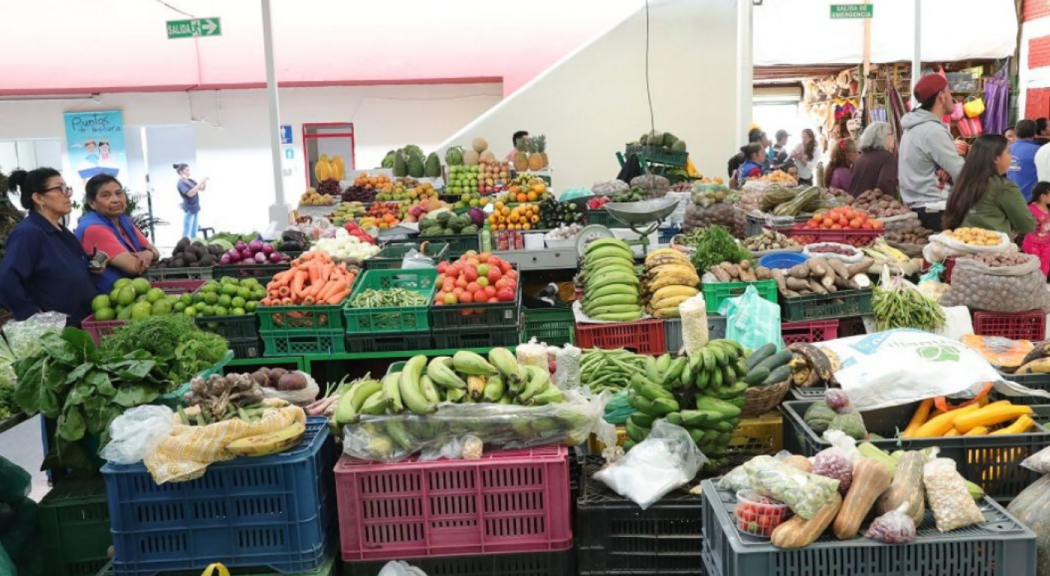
(210, 286)
(225, 301)
(141, 310)
(161, 308)
(229, 289)
(237, 302)
(114, 296)
(198, 297)
(122, 282)
(250, 306)
(154, 295)
(186, 299)
(141, 285)
(228, 280)
(244, 292)
(190, 311)
(207, 310)
(100, 302)
(124, 314)
(103, 314)
(221, 311)
(179, 307)
(211, 297)
(258, 294)
(238, 311)
(250, 282)
(126, 296)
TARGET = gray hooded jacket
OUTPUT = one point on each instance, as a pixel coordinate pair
(926, 146)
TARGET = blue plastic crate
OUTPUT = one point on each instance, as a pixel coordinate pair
(274, 512)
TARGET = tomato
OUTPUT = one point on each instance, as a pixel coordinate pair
(466, 297)
(836, 227)
(765, 521)
(855, 223)
(827, 222)
(877, 224)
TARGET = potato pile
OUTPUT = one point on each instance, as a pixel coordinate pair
(974, 236)
(742, 272)
(769, 240)
(910, 231)
(879, 204)
(1014, 283)
(822, 276)
(722, 214)
(1003, 259)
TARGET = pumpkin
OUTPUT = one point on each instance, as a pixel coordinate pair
(870, 479)
(906, 487)
(799, 532)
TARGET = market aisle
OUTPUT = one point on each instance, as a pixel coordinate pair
(22, 446)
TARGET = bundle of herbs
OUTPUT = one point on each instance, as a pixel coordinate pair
(714, 245)
(896, 303)
(179, 347)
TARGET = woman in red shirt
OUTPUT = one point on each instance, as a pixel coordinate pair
(107, 229)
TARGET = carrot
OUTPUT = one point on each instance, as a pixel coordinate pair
(326, 272)
(297, 281)
(283, 291)
(308, 300)
(283, 277)
(338, 297)
(266, 302)
(327, 291)
(287, 302)
(314, 272)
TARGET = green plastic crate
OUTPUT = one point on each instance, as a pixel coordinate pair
(458, 244)
(229, 327)
(301, 319)
(392, 255)
(658, 155)
(601, 216)
(555, 326)
(246, 347)
(841, 304)
(396, 342)
(391, 319)
(279, 343)
(178, 274)
(717, 292)
(74, 521)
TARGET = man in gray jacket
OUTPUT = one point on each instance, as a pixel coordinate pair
(926, 147)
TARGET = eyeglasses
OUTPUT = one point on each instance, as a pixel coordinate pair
(65, 190)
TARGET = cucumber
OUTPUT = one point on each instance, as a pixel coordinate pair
(776, 376)
(756, 376)
(760, 355)
(775, 361)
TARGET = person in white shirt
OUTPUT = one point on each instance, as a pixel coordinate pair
(1042, 163)
(806, 157)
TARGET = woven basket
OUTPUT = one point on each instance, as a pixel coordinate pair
(761, 399)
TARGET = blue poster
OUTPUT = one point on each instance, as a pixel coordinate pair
(96, 143)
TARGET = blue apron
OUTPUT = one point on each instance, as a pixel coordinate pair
(110, 275)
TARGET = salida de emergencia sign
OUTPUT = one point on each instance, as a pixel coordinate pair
(851, 11)
(194, 28)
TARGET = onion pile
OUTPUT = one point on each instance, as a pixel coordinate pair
(254, 252)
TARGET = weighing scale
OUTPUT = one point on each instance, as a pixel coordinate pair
(642, 217)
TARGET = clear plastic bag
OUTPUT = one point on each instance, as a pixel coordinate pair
(804, 493)
(952, 505)
(500, 426)
(567, 366)
(694, 324)
(893, 527)
(414, 260)
(833, 463)
(399, 568)
(297, 397)
(1032, 508)
(24, 336)
(1038, 462)
(135, 432)
(534, 353)
(735, 481)
(752, 320)
(667, 459)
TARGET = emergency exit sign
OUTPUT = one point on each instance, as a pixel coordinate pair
(194, 28)
(851, 11)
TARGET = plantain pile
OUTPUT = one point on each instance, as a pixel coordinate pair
(1037, 361)
(669, 280)
(703, 394)
(610, 283)
(811, 366)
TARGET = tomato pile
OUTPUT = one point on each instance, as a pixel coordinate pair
(475, 278)
(757, 515)
(844, 219)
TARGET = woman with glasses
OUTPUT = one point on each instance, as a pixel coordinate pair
(44, 268)
(106, 228)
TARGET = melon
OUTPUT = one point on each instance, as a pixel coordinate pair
(479, 145)
(471, 158)
(488, 156)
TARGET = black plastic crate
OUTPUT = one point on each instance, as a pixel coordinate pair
(992, 461)
(264, 272)
(1033, 381)
(477, 316)
(841, 304)
(230, 327)
(396, 342)
(523, 564)
(999, 546)
(246, 347)
(615, 536)
(471, 338)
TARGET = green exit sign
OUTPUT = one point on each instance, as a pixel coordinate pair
(851, 11)
(194, 28)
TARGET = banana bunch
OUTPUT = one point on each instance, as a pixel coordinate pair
(881, 251)
(669, 280)
(811, 366)
(610, 284)
(270, 442)
(329, 168)
(1037, 361)
(704, 395)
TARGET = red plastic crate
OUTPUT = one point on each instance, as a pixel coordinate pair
(178, 286)
(1029, 325)
(642, 336)
(99, 328)
(507, 501)
(856, 238)
(949, 265)
(809, 332)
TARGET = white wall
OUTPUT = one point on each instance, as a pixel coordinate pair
(232, 133)
(594, 101)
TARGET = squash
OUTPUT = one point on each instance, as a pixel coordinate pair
(799, 532)
(939, 425)
(870, 479)
(906, 487)
(800, 462)
(995, 413)
(1019, 427)
(919, 418)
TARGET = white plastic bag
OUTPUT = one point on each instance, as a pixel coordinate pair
(532, 353)
(666, 460)
(414, 260)
(298, 397)
(567, 366)
(398, 568)
(694, 324)
(135, 432)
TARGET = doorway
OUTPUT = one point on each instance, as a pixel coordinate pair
(163, 146)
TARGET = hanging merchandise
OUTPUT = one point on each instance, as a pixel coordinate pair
(996, 116)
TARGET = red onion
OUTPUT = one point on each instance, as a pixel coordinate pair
(233, 255)
(268, 249)
(255, 246)
(240, 246)
(225, 259)
(275, 257)
(260, 258)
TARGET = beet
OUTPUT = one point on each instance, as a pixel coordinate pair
(292, 381)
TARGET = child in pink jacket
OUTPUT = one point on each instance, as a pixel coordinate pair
(1038, 243)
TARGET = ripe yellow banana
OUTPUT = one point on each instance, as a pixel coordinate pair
(671, 302)
(681, 269)
(269, 443)
(664, 253)
(665, 313)
(672, 280)
(672, 291)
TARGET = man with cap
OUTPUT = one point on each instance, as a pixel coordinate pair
(927, 147)
(778, 154)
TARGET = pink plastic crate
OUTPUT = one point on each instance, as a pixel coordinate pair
(641, 336)
(809, 332)
(508, 501)
(178, 286)
(1030, 325)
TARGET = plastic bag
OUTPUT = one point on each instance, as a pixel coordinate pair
(804, 493)
(1030, 508)
(893, 527)
(533, 353)
(414, 260)
(135, 432)
(952, 505)
(25, 336)
(667, 459)
(735, 481)
(1003, 353)
(468, 447)
(833, 463)
(398, 568)
(504, 426)
(1038, 462)
(854, 258)
(567, 366)
(998, 289)
(722, 214)
(897, 367)
(618, 408)
(297, 397)
(15, 481)
(752, 320)
(694, 324)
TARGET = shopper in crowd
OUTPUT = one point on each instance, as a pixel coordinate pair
(1011, 135)
(1022, 167)
(927, 146)
(839, 131)
(840, 171)
(805, 157)
(1038, 242)
(876, 167)
(44, 268)
(1042, 131)
(514, 144)
(754, 136)
(754, 158)
(190, 191)
(777, 153)
(106, 228)
(983, 197)
(790, 170)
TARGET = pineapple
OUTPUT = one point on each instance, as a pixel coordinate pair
(521, 159)
(535, 160)
(541, 146)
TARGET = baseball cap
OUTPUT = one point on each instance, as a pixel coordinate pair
(929, 85)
